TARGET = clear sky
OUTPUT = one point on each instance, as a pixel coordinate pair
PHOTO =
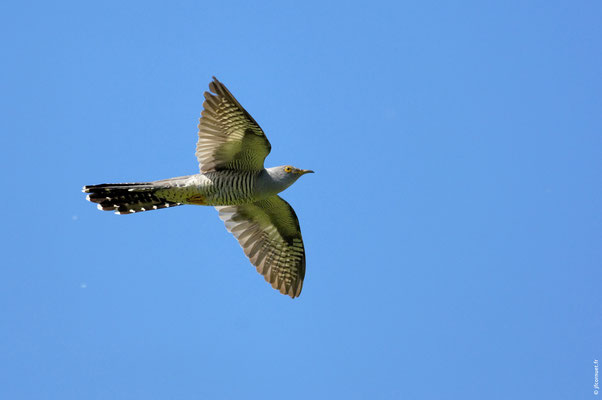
(453, 227)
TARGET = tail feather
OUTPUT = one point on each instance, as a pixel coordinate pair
(126, 198)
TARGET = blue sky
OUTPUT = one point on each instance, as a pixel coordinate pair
(452, 227)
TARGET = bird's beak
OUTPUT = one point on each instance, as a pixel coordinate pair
(306, 171)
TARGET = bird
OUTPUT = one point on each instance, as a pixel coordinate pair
(231, 150)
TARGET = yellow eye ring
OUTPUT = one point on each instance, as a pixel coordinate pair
(288, 169)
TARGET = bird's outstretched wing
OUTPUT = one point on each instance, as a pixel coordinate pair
(229, 138)
(269, 233)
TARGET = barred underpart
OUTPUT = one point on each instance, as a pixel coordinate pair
(231, 187)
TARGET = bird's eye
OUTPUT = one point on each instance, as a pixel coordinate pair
(288, 169)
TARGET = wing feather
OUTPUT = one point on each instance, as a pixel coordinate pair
(229, 138)
(269, 233)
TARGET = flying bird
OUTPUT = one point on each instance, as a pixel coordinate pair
(230, 150)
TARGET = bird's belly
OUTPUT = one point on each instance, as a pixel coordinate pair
(214, 189)
(221, 199)
(207, 196)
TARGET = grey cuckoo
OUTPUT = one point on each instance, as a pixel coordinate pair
(230, 150)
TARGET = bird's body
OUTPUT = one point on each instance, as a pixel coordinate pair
(221, 188)
(230, 150)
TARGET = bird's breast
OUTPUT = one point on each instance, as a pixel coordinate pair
(222, 188)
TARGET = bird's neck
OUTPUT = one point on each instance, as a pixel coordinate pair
(271, 182)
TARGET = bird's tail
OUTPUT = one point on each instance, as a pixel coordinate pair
(127, 198)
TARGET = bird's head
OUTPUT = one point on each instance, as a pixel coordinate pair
(286, 175)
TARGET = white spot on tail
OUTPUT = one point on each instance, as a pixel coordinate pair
(88, 198)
